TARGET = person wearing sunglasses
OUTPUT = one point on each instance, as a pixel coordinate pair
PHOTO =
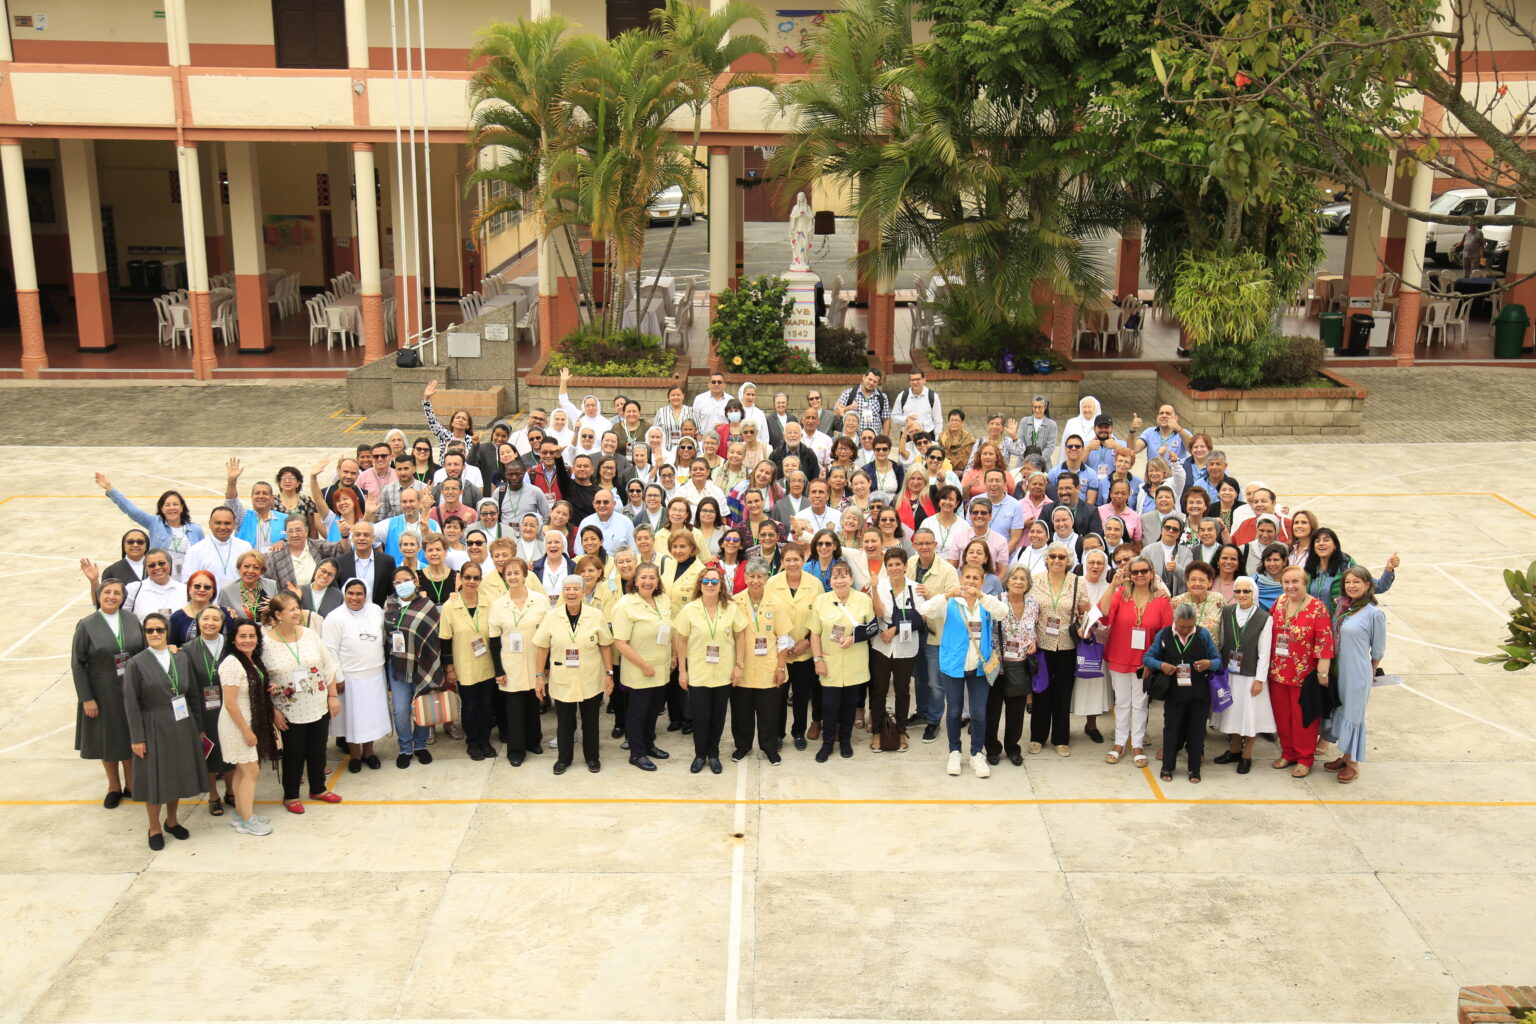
(1133, 610)
(710, 645)
(1246, 642)
(104, 642)
(130, 566)
(978, 526)
(202, 588)
(156, 592)
(165, 727)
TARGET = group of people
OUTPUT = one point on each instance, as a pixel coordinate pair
(720, 561)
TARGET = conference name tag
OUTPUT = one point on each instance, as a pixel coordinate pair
(1182, 674)
(213, 697)
(572, 657)
(712, 654)
(179, 707)
(760, 646)
(515, 643)
(397, 642)
(1138, 639)
(477, 646)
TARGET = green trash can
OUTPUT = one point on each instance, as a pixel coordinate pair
(1509, 332)
(1330, 327)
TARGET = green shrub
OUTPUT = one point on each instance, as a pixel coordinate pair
(1240, 367)
(748, 329)
(842, 348)
(1294, 360)
(1226, 304)
(626, 353)
(970, 342)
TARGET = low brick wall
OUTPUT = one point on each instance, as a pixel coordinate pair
(981, 394)
(1275, 412)
(542, 390)
(1494, 1004)
(482, 406)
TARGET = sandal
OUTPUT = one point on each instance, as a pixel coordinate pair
(1113, 757)
(1139, 760)
(215, 808)
(1194, 777)
(1166, 776)
(1280, 763)
(1348, 774)
(1301, 771)
(229, 798)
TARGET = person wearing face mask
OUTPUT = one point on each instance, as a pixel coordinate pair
(104, 642)
(414, 664)
(218, 552)
(205, 652)
(165, 724)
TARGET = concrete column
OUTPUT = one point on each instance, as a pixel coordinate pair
(215, 239)
(738, 162)
(1362, 262)
(1409, 295)
(882, 323)
(721, 246)
(368, 251)
(1402, 183)
(1128, 262)
(204, 359)
(250, 247)
(1522, 264)
(559, 290)
(34, 358)
(338, 169)
(177, 39)
(357, 33)
(87, 253)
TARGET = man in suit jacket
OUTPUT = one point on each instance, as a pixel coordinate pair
(1167, 554)
(778, 419)
(1085, 517)
(365, 562)
(283, 559)
(1152, 522)
(792, 443)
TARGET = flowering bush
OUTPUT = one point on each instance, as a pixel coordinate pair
(748, 329)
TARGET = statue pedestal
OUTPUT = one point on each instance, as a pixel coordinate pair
(800, 330)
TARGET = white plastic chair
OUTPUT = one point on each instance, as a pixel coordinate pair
(317, 326)
(340, 325)
(679, 325)
(389, 319)
(469, 306)
(181, 324)
(1456, 320)
(1433, 324)
(275, 297)
(162, 319)
(1114, 316)
(225, 323)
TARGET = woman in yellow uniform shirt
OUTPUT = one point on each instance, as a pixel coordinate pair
(464, 629)
(842, 622)
(798, 590)
(710, 647)
(766, 626)
(680, 576)
(515, 618)
(575, 667)
(642, 636)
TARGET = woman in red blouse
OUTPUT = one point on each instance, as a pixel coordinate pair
(1303, 644)
(1134, 611)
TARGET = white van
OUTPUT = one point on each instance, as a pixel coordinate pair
(1464, 202)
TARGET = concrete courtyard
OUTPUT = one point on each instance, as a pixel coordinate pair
(870, 889)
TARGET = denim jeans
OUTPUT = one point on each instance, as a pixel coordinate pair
(956, 689)
(925, 683)
(412, 737)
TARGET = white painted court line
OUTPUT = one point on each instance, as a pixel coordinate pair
(1501, 612)
(39, 736)
(1468, 714)
(5, 655)
(1438, 647)
(738, 871)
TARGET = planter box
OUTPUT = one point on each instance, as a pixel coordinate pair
(542, 390)
(981, 394)
(1267, 413)
(1495, 1004)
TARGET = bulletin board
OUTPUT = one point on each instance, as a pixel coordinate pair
(791, 29)
(289, 230)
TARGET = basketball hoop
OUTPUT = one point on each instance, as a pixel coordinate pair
(768, 151)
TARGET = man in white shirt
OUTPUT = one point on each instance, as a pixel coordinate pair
(818, 442)
(709, 408)
(618, 531)
(815, 516)
(920, 403)
(219, 551)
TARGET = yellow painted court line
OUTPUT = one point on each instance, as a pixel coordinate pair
(341, 766)
(1157, 790)
(858, 802)
(1517, 508)
(342, 414)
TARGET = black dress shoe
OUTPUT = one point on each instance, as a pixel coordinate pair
(737, 755)
(800, 743)
(715, 765)
(157, 841)
(561, 766)
(915, 720)
(658, 753)
(674, 726)
(687, 728)
(594, 766)
(697, 765)
(1244, 765)
(515, 760)
(179, 831)
(373, 762)
(112, 799)
(537, 748)
(127, 793)
(1094, 735)
(354, 766)
(475, 753)
(824, 753)
(1226, 757)
(994, 759)
(618, 731)
(846, 748)
(1016, 759)
(341, 744)
(424, 756)
(773, 757)
(644, 763)
(402, 760)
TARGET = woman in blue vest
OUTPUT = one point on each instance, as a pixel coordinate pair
(963, 618)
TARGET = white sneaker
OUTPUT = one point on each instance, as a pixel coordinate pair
(979, 766)
(954, 762)
(253, 827)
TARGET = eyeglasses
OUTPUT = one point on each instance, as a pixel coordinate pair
(422, 448)
(474, 543)
(1243, 590)
(882, 448)
(1141, 572)
(825, 544)
(154, 629)
(981, 512)
(1055, 558)
(157, 565)
(201, 586)
(135, 540)
(469, 579)
(709, 583)
(1170, 526)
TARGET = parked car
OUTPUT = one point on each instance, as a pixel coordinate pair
(667, 205)
(1335, 217)
(1442, 241)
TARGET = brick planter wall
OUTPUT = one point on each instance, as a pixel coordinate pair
(1495, 1004)
(981, 394)
(542, 390)
(1269, 413)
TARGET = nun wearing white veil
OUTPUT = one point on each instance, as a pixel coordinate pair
(354, 634)
(1088, 409)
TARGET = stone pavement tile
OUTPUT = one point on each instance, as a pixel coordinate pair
(1404, 726)
(875, 838)
(935, 945)
(917, 774)
(305, 946)
(1086, 775)
(50, 917)
(1251, 945)
(1478, 925)
(1194, 838)
(570, 946)
(585, 838)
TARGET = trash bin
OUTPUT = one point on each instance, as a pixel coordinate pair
(1509, 332)
(1330, 327)
(136, 275)
(1360, 327)
(152, 272)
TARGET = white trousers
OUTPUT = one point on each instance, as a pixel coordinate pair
(1130, 709)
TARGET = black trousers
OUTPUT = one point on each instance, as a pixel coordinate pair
(523, 731)
(838, 703)
(499, 712)
(618, 704)
(1184, 726)
(1006, 711)
(476, 703)
(304, 748)
(751, 706)
(643, 704)
(801, 692)
(1051, 716)
(706, 705)
(565, 727)
(678, 706)
(886, 673)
